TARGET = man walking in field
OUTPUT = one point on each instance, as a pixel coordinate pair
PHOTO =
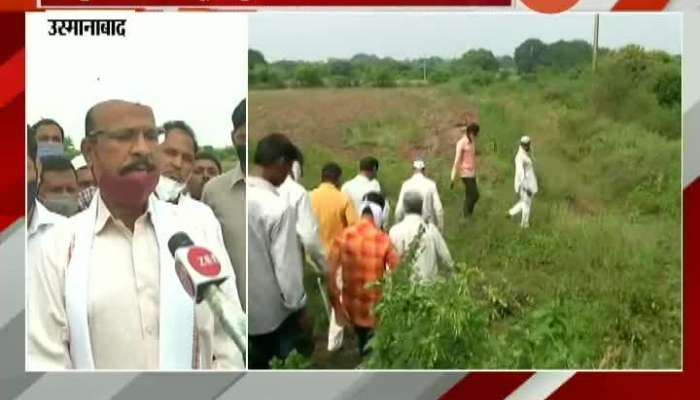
(427, 190)
(276, 295)
(335, 212)
(362, 254)
(465, 166)
(366, 182)
(431, 248)
(525, 182)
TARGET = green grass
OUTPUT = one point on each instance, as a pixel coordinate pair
(595, 282)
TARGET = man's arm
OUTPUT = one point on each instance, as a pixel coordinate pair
(392, 257)
(48, 337)
(351, 215)
(286, 259)
(398, 215)
(334, 269)
(443, 252)
(307, 229)
(226, 355)
(437, 209)
(458, 156)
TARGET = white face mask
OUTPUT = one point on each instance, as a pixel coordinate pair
(169, 189)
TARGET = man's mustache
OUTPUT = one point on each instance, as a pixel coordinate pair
(138, 165)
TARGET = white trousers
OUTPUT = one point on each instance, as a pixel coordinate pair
(523, 206)
(335, 331)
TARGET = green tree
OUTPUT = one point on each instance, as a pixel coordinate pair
(479, 58)
(530, 55)
(255, 58)
(308, 75)
(69, 149)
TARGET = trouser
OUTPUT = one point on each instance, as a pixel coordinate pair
(335, 331)
(471, 195)
(363, 336)
(522, 206)
(278, 343)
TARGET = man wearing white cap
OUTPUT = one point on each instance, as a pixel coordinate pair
(426, 187)
(525, 182)
(85, 178)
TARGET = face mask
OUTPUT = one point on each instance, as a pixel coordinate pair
(241, 152)
(32, 189)
(169, 189)
(64, 204)
(49, 149)
(129, 191)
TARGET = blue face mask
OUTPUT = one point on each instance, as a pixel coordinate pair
(49, 149)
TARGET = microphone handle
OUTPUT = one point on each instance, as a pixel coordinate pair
(235, 326)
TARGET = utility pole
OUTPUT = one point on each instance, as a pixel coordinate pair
(595, 40)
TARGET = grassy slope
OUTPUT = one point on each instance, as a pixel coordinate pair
(604, 246)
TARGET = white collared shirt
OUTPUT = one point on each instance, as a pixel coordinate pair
(275, 272)
(42, 221)
(307, 224)
(357, 187)
(432, 206)
(432, 247)
(123, 296)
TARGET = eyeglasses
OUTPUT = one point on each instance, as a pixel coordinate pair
(128, 135)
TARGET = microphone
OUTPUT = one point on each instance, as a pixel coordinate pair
(200, 273)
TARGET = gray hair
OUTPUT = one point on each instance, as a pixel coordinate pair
(413, 203)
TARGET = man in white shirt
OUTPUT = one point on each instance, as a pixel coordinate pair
(276, 292)
(306, 223)
(366, 182)
(431, 247)
(426, 187)
(105, 294)
(175, 158)
(39, 219)
(525, 183)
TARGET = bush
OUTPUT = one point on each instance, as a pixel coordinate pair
(383, 78)
(668, 88)
(308, 76)
(341, 81)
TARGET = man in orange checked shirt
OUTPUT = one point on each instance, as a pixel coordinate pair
(362, 254)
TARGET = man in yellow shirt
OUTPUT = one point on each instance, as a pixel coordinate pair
(333, 208)
(335, 212)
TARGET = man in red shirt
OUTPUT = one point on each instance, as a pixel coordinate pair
(362, 253)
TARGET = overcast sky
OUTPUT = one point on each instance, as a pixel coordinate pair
(316, 36)
(189, 66)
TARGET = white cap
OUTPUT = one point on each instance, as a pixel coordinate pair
(78, 162)
(525, 139)
(419, 164)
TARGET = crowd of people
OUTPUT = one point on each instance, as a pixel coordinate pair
(345, 231)
(102, 288)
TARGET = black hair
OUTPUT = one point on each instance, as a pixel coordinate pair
(376, 198)
(275, 147)
(181, 125)
(209, 156)
(238, 116)
(45, 122)
(369, 164)
(473, 128)
(56, 164)
(31, 147)
(331, 172)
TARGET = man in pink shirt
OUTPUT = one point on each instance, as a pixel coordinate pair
(465, 166)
